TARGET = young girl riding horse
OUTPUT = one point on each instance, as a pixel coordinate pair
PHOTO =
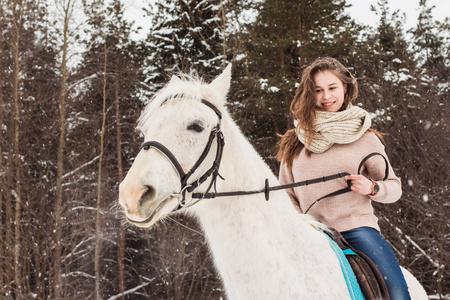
(331, 135)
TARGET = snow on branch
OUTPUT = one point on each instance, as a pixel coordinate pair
(130, 291)
(80, 167)
(82, 80)
(75, 249)
(418, 247)
(78, 274)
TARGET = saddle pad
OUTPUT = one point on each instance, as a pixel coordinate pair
(350, 278)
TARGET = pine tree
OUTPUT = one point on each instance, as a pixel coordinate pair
(285, 37)
(397, 89)
(395, 62)
(185, 35)
(430, 43)
(430, 110)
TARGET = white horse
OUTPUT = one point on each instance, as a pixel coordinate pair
(261, 249)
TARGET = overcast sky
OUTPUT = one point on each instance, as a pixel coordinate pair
(361, 12)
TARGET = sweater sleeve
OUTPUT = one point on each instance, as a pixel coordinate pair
(286, 177)
(391, 188)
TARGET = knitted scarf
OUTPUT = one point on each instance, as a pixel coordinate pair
(342, 127)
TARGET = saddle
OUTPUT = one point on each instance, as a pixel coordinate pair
(367, 274)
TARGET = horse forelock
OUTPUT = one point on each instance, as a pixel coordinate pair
(177, 93)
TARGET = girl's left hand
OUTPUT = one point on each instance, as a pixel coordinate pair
(360, 184)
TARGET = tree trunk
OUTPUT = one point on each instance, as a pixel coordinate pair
(224, 32)
(2, 182)
(98, 223)
(59, 178)
(121, 250)
(17, 8)
(9, 270)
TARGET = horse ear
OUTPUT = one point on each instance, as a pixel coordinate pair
(174, 79)
(222, 83)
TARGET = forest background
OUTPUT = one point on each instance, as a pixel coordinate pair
(73, 83)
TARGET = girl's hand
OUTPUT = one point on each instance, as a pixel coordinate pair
(360, 184)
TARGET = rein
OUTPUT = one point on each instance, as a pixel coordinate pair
(213, 171)
(267, 189)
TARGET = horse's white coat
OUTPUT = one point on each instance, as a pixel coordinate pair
(261, 249)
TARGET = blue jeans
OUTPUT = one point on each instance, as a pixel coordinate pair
(370, 242)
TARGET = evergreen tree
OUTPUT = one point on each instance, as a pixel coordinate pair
(393, 64)
(431, 44)
(429, 132)
(185, 35)
(285, 37)
(397, 88)
(403, 82)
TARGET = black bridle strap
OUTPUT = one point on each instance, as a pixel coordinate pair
(202, 156)
(267, 189)
(336, 193)
(161, 148)
(214, 170)
(210, 105)
(348, 189)
(183, 176)
(386, 172)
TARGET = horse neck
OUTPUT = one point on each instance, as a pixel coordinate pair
(242, 164)
(249, 218)
(243, 170)
(250, 237)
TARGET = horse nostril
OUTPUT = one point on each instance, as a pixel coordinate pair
(147, 196)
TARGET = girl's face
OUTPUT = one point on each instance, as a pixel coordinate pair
(330, 91)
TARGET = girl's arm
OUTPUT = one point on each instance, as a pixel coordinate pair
(286, 177)
(374, 168)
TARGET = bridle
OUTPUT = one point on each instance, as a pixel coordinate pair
(216, 133)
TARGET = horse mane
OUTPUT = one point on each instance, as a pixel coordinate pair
(316, 224)
(182, 86)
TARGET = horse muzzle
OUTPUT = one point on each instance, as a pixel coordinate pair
(153, 217)
(143, 205)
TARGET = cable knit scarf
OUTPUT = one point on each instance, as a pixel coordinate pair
(342, 127)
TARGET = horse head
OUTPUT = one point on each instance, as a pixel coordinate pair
(181, 127)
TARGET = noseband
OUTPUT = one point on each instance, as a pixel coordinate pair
(213, 171)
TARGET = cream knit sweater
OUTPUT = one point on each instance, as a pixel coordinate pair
(350, 210)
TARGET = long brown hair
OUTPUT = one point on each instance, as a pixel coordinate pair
(303, 105)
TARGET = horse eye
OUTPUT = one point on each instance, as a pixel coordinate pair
(196, 127)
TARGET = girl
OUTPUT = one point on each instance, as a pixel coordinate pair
(331, 136)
